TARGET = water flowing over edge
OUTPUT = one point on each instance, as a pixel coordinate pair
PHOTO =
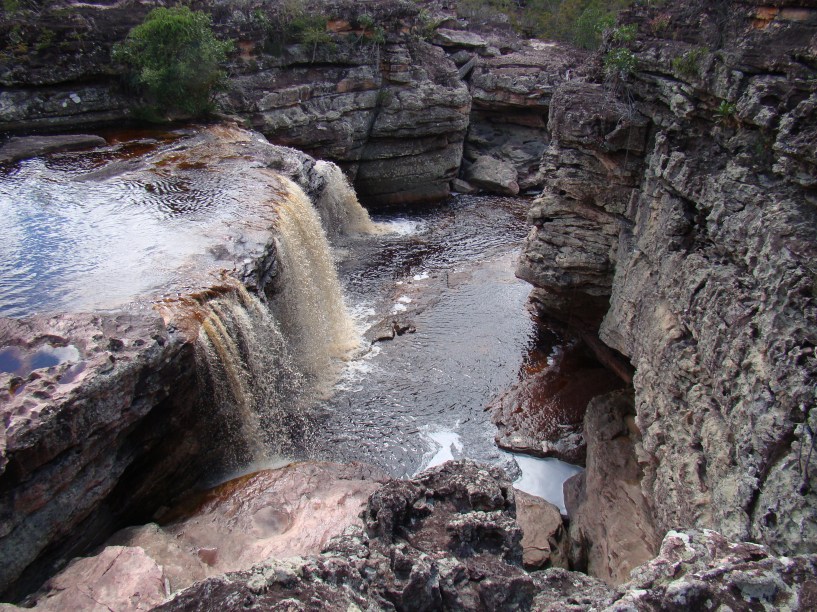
(309, 301)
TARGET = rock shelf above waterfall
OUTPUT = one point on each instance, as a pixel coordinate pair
(109, 412)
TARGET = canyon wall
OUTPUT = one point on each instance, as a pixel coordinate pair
(387, 94)
(681, 222)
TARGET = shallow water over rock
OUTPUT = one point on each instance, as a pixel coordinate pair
(89, 231)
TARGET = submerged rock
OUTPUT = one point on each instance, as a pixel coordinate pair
(543, 413)
(16, 149)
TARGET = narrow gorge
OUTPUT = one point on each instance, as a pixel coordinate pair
(426, 315)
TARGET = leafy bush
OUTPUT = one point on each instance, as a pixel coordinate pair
(175, 61)
(620, 62)
(726, 112)
(689, 63)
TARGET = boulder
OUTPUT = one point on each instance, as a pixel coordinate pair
(493, 175)
(544, 537)
(609, 544)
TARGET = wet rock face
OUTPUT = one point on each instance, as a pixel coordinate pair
(687, 220)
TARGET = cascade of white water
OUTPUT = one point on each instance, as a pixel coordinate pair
(338, 206)
(309, 303)
(243, 357)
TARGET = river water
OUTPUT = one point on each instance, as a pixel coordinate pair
(80, 240)
(447, 273)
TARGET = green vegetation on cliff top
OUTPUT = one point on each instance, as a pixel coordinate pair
(174, 62)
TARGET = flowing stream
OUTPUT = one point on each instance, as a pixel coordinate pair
(434, 286)
(445, 274)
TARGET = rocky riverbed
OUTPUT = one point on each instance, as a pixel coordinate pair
(672, 234)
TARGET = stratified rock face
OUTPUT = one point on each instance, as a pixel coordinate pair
(444, 540)
(694, 210)
(611, 523)
(392, 110)
(592, 166)
(511, 95)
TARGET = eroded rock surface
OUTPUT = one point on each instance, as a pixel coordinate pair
(287, 512)
(685, 217)
(611, 522)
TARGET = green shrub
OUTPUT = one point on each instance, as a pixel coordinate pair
(689, 64)
(175, 61)
(590, 26)
(726, 112)
(620, 62)
(624, 35)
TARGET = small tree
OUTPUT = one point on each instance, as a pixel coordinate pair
(175, 60)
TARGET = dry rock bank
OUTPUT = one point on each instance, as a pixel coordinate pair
(680, 222)
(400, 93)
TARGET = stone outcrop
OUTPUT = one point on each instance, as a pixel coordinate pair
(686, 218)
(446, 539)
(609, 543)
(82, 436)
(511, 94)
(543, 413)
(31, 146)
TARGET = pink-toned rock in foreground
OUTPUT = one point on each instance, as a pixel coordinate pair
(288, 512)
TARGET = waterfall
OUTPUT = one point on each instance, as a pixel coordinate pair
(338, 206)
(245, 367)
(309, 303)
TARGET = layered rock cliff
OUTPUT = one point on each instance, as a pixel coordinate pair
(681, 223)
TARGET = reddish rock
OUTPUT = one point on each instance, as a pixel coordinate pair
(543, 414)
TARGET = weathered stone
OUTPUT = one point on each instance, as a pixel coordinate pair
(493, 175)
(703, 570)
(458, 38)
(544, 537)
(609, 544)
(444, 540)
(704, 245)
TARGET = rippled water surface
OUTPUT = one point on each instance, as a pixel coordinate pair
(85, 231)
(419, 399)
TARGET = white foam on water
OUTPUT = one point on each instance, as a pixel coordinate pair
(544, 478)
(421, 276)
(404, 299)
(398, 308)
(402, 227)
(450, 447)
